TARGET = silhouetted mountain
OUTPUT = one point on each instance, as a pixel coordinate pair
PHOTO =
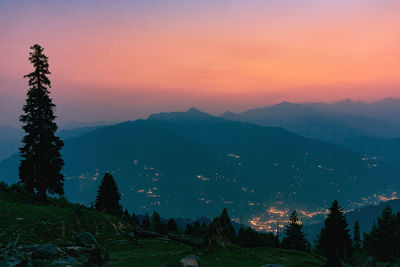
(190, 163)
(10, 138)
(385, 109)
(318, 121)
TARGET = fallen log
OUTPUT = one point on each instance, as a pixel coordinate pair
(184, 240)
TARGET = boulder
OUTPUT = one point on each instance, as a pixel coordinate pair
(149, 234)
(190, 261)
(85, 239)
(76, 250)
(184, 240)
(69, 261)
(46, 251)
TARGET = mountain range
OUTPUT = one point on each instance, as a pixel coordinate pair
(321, 121)
(183, 164)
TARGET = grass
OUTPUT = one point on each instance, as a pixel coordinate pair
(151, 253)
(56, 223)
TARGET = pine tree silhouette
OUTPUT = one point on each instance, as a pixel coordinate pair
(294, 236)
(356, 236)
(126, 216)
(172, 227)
(146, 221)
(334, 239)
(381, 241)
(226, 224)
(134, 219)
(108, 196)
(41, 164)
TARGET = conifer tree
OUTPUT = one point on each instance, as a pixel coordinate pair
(189, 229)
(334, 240)
(381, 241)
(146, 221)
(157, 225)
(155, 219)
(126, 216)
(197, 228)
(41, 164)
(227, 227)
(134, 219)
(108, 196)
(294, 236)
(172, 227)
(204, 229)
(356, 236)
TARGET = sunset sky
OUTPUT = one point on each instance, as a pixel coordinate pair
(118, 60)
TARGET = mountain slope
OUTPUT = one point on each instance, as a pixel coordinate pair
(10, 138)
(190, 163)
(385, 109)
(311, 120)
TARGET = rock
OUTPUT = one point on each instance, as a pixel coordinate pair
(85, 239)
(273, 265)
(4, 261)
(65, 262)
(184, 240)
(165, 265)
(75, 250)
(149, 234)
(46, 251)
(190, 261)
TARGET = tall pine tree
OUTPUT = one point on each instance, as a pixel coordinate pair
(294, 236)
(356, 236)
(334, 240)
(108, 196)
(41, 164)
(382, 240)
(226, 225)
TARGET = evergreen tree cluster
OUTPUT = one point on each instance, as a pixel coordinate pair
(196, 229)
(249, 237)
(383, 242)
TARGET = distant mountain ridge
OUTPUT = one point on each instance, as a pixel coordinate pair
(327, 122)
(184, 164)
(10, 137)
(385, 109)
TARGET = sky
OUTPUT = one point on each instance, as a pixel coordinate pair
(119, 60)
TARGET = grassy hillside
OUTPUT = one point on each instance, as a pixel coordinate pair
(157, 252)
(55, 224)
(58, 223)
